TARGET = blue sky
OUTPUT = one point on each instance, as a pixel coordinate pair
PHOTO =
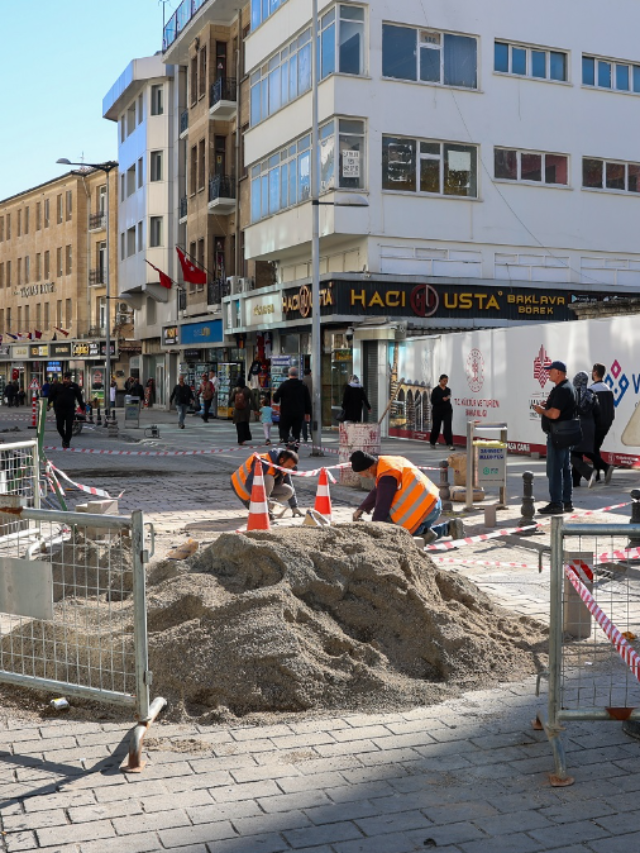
(58, 60)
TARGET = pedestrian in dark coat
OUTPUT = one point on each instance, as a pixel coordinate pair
(353, 401)
(295, 406)
(243, 404)
(63, 396)
(607, 416)
(10, 393)
(441, 413)
(588, 410)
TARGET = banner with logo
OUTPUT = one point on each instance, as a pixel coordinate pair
(498, 375)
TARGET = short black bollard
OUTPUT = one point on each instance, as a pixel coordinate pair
(528, 507)
(98, 418)
(445, 491)
(634, 541)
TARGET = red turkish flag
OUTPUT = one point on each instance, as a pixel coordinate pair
(165, 280)
(190, 272)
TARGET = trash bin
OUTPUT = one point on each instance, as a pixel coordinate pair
(132, 411)
(120, 398)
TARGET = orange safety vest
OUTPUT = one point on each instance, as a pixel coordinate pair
(242, 479)
(416, 496)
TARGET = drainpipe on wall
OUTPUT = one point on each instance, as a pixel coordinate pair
(236, 259)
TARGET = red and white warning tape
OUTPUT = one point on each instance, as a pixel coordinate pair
(91, 490)
(628, 655)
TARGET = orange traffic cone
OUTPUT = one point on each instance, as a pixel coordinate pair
(258, 509)
(323, 498)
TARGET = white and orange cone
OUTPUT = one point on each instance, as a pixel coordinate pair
(323, 498)
(258, 509)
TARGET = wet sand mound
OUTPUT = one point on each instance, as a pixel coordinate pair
(349, 617)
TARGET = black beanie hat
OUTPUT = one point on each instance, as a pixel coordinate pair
(360, 461)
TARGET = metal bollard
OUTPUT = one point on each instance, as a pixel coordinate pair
(445, 491)
(634, 541)
(528, 507)
(98, 418)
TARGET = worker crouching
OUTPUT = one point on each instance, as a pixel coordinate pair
(403, 495)
(277, 484)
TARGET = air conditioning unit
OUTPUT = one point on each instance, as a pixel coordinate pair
(125, 308)
(232, 281)
(246, 284)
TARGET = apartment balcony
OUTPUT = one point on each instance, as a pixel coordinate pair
(222, 194)
(183, 209)
(97, 222)
(216, 290)
(96, 277)
(222, 100)
(97, 332)
(184, 123)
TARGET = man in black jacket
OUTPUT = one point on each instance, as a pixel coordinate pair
(63, 396)
(183, 396)
(603, 424)
(295, 406)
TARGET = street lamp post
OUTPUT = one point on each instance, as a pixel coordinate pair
(106, 168)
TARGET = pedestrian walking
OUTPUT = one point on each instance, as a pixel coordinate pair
(588, 409)
(266, 419)
(138, 391)
(213, 379)
(277, 484)
(63, 396)
(10, 394)
(354, 400)
(207, 391)
(243, 404)
(295, 406)
(183, 396)
(403, 495)
(44, 391)
(113, 387)
(307, 380)
(607, 416)
(21, 395)
(441, 413)
(562, 429)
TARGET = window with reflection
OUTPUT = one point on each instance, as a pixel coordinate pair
(528, 61)
(530, 166)
(610, 175)
(610, 74)
(429, 56)
(430, 167)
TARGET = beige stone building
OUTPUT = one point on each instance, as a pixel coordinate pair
(52, 280)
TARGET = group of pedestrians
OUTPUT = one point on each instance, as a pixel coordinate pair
(576, 418)
(14, 394)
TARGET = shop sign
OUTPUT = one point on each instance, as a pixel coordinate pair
(4, 352)
(34, 290)
(263, 309)
(20, 352)
(103, 347)
(39, 351)
(201, 334)
(192, 354)
(59, 350)
(298, 303)
(170, 336)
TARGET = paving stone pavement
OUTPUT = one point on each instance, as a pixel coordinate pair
(464, 776)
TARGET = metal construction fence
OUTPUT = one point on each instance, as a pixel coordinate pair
(19, 481)
(73, 611)
(594, 640)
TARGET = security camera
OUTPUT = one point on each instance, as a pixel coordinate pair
(349, 334)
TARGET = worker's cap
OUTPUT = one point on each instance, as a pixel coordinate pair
(361, 461)
(556, 365)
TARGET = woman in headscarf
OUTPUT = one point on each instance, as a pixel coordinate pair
(353, 400)
(588, 409)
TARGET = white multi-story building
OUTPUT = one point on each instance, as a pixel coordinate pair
(140, 101)
(495, 146)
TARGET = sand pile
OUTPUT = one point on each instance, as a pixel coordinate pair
(350, 617)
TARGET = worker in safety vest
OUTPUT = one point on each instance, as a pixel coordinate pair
(403, 495)
(277, 484)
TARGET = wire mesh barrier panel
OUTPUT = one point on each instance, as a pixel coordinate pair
(594, 641)
(73, 606)
(19, 467)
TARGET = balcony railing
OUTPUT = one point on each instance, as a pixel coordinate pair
(96, 277)
(183, 207)
(179, 20)
(184, 121)
(222, 186)
(97, 221)
(216, 290)
(224, 89)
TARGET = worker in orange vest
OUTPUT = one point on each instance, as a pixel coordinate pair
(277, 484)
(403, 495)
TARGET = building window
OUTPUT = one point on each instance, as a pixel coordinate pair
(102, 313)
(609, 175)
(201, 170)
(429, 56)
(68, 260)
(59, 312)
(1, 229)
(46, 316)
(122, 246)
(281, 79)
(38, 216)
(19, 223)
(2, 328)
(156, 166)
(27, 318)
(610, 74)
(262, 9)
(157, 100)
(342, 41)
(534, 166)
(193, 170)
(26, 220)
(140, 172)
(46, 213)
(1, 274)
(425, 166)
(38, 266)
(131, 241)
(39, 316)
(9, 329)
(27, 270)
(525, 61)
(123, 130)
(59, 269)
(20, 318)
(69, 205)
(202, 75)
(59, 209)
(140, 237)
(131, 119)
(8, 273)
(8, 226)
(67, 313)
(193, 80)
(155, 231)
(131, 180)
(47, 265)
(19, 273)
(140, 108)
